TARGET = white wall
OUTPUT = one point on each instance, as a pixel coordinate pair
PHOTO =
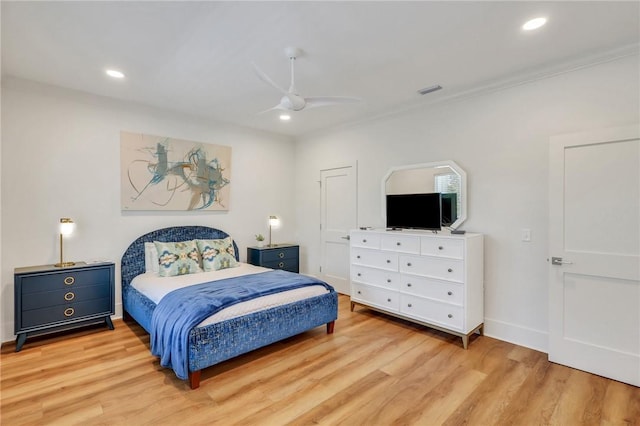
(60, 157)
(501, 140)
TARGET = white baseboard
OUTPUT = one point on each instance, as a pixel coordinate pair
(517, 334)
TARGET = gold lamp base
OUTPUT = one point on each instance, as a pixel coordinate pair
(64, 264)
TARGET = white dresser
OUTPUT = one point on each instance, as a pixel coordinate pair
(431, 279)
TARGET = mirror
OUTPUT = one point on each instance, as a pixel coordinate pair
(445, 177)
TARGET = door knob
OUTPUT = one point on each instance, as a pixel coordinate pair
(559, 261)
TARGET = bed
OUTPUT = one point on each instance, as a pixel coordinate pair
(215, 340)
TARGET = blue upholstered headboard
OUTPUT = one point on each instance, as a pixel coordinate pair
(133, 258)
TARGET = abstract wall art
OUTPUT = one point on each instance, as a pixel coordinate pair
(161, 173)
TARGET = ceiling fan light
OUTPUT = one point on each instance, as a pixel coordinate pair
(115, 73)
(533, 24)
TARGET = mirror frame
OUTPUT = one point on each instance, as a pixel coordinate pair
(455, 167)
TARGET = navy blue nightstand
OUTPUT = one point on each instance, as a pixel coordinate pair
(49, 299)
(277, 256)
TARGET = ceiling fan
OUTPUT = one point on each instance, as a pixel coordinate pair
(291, 99)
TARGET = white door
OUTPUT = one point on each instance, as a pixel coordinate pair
(594, 228)
(338, 216)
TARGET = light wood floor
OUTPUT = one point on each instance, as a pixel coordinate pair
(374, 370)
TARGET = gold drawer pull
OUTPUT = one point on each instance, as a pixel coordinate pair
(69, 280)
(281, 255)
(281, 264)
(69, 312)
(69, 296)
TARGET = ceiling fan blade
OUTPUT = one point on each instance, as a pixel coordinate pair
(319, 101)
(264, 77)
(280, 107)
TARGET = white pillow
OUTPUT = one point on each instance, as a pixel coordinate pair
(151, 262)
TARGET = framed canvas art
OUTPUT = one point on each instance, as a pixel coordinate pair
(162, 173)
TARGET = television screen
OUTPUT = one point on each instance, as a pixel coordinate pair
(414, 211)
(449, 208)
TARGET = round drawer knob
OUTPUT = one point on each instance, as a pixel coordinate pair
(409, 264)
(450, 316)
(440, 247)
(364, 241)
(358, 257)
(398, 243)
(449, 293)
(281, 255)
(409, 305)
(388, 280)
(359, 292)
(69, 296)
(388, 261)
(450, 270)
(388, 300)
(408, 284)
(69, 280)
(359, 274)
(69, 312)
(281, 264)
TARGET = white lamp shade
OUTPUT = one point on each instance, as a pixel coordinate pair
(274, 221)
(66, 226)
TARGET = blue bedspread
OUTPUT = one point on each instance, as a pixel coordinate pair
(181, 310)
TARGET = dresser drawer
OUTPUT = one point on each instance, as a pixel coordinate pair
(277, 254)
(445, 291)
(401, 243)
(64, 280)
(64, 297)
(438, 313)
(375, 296)
(377, 277)
(71, 311)
(442, 268)
(445, 247)
(375, 258)
(365, 239)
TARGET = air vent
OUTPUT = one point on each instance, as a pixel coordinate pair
(429, 89)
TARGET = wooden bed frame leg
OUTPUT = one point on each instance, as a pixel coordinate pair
(330, 326)
(194, 379)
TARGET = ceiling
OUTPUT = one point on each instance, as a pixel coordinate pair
(195, 57)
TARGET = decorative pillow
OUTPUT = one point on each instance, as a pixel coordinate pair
(179, 258)
(150, 258)
(217, 254)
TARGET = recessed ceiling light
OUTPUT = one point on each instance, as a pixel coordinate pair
(285, 117)
(115, 73)
(534, 24)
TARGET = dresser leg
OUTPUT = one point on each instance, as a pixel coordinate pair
(465, 341)
(20, 339)
(353, 305)
(109, 323)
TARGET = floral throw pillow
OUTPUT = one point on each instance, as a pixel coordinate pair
(217, 254)
(179, 258)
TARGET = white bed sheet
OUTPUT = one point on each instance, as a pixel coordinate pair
(155, 288)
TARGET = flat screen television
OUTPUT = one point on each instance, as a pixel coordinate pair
(449, 208)
(414, 211)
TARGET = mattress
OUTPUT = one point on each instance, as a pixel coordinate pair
(155, 288)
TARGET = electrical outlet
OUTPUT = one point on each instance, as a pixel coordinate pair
(526, 234)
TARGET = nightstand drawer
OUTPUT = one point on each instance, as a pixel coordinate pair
(64, 297)
(71, 311)
(285, 264)
(64, 280)
(278, 254)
